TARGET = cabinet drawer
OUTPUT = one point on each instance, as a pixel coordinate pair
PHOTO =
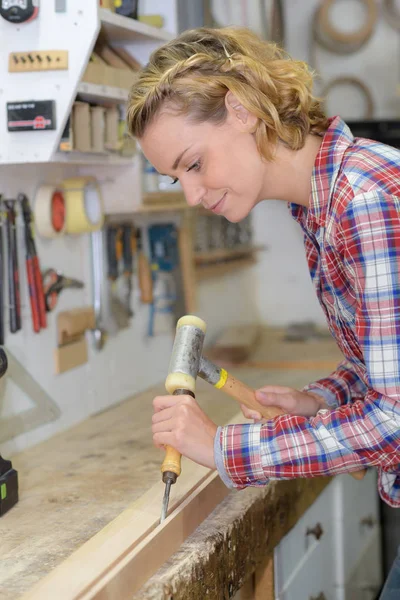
(313, 579)
(305, 554)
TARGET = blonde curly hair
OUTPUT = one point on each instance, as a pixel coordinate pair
(192, 74)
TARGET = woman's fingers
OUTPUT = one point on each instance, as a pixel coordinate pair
(250, 413)
(162, 402)
(163, 415)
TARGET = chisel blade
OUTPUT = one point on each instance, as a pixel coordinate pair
(165, 503)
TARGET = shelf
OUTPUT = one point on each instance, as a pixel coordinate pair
(82, 158)
(118, 28)
(102, 94)
(167, 207)
(225, 254)
(153, 198)
(221, 269)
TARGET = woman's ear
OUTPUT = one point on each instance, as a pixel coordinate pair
(240, 116)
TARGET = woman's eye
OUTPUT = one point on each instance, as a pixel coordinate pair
(195, 166)
(174, 180)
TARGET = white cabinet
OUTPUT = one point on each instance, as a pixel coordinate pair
(304, 566)
(333, 551)
(358, 561)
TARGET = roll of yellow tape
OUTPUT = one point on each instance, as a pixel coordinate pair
(49, 211)
(84, 205)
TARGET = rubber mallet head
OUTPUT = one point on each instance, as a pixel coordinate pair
(186, 354)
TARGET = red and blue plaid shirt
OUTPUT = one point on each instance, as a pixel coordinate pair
(352, 242)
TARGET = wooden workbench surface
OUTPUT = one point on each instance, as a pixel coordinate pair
(72, 485)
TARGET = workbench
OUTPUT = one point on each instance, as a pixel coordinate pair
(75, 483)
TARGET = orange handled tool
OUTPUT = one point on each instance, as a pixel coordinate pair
(34, 275)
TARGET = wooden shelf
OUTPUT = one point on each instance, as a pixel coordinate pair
(83, 158)
(167, 207)
(102, 94)
(221, 269)
(118, 28)
(225, 254)
(163, 202)
(152, 198)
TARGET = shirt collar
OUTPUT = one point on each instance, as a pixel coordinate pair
(336, 140)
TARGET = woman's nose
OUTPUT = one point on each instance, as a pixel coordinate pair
(193, 194)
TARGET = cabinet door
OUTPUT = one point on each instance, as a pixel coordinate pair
(356, 513)
(304, 563)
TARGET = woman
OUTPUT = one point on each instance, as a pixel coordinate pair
(234, 119)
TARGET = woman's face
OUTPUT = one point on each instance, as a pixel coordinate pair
(218, 166)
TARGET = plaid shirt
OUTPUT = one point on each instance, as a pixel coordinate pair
(352, 242)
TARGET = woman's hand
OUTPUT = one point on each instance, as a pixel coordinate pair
(178, 421)
(291, 401)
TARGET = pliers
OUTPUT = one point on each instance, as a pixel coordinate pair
(54, 283)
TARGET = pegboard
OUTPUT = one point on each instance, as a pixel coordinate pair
(74, 31)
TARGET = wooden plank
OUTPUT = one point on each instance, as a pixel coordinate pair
(225, 254)
(233, 542)
(221, 269)
(122, 556)
(78, 481)
(235, 344)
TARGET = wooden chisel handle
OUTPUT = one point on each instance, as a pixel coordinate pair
(247, 396)
(172, 461)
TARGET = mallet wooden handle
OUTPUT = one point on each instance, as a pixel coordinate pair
(247, 396)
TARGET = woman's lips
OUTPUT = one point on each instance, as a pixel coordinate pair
(217, 208)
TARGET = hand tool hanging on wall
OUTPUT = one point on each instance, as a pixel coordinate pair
(54, 283)
(128, 250)
(34, 275)
(13, 272)
(96, 245)
(144, 272)
(114, 254)
(165, 269)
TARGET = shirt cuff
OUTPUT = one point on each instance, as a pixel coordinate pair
(240, 447)
(219, 460)
(329, 396)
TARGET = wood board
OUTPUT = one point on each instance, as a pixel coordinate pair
(117, 561)
(80, 480)
(235, 343)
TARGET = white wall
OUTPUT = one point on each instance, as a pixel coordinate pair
(284, 289)
(129, 362)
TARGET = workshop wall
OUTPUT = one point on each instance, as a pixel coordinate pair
(131, 361)
(284, 288)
